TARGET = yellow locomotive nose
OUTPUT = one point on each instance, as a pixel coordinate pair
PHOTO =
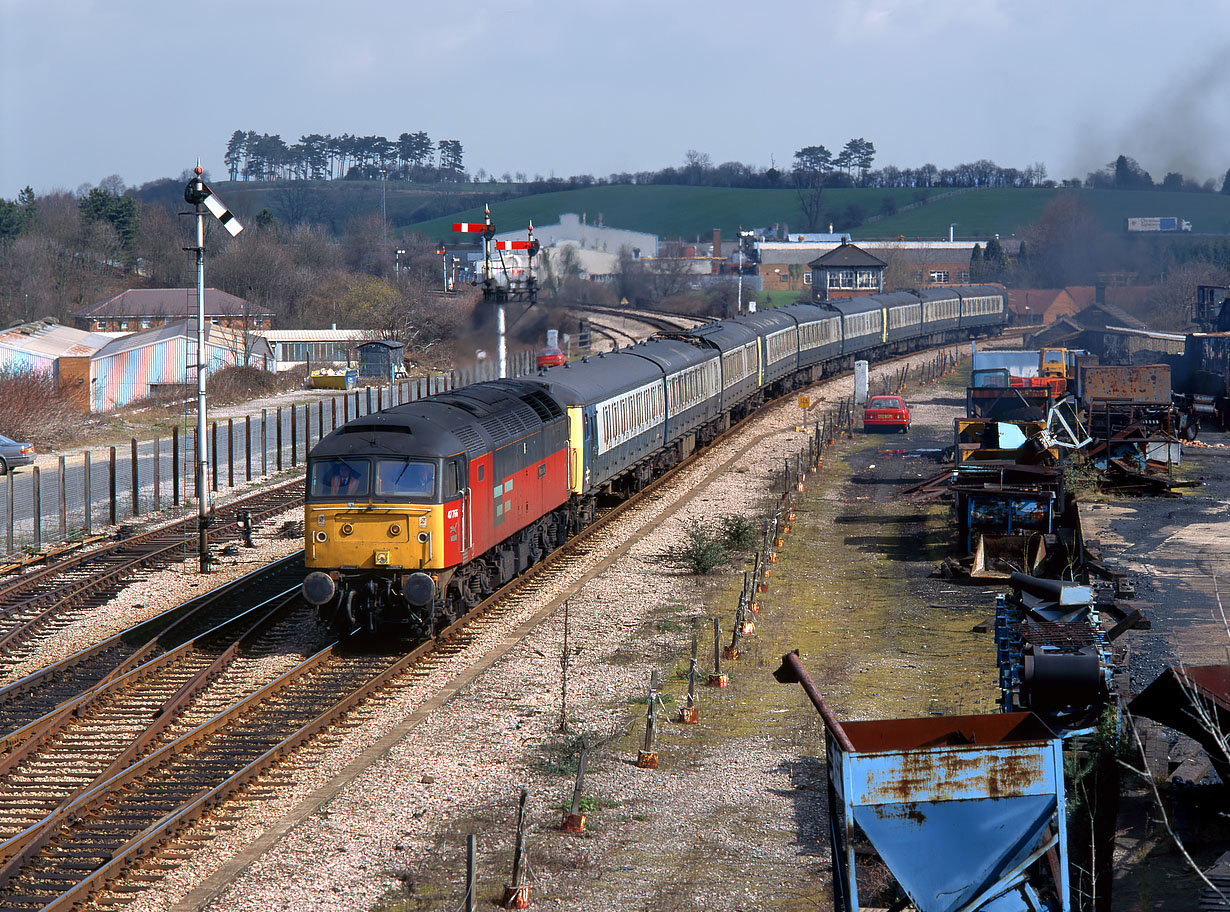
(370, 538)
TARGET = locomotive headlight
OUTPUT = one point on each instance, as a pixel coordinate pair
(347, 528)
(395, 529)
(424, 538)
(321, 536)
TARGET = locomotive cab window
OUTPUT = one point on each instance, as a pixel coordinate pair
(340, 478)
(405, 478)
(454, 478)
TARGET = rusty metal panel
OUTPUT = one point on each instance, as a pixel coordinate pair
(1143, 383)
(961, 809)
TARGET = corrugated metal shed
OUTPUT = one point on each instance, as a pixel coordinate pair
(318, 335)
(40, 344)
(125, 370)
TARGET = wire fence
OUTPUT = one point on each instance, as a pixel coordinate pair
(88, 491)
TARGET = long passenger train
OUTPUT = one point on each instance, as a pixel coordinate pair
(416, 513)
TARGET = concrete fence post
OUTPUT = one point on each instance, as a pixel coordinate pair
(136, 482)
(471, 878)
(516, 894)
(717, 678)
(63, 502)
(648, 757)
(111, 513)
(89, 500)
(37, 482)
(174, 466)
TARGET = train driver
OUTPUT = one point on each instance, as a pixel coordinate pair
(343, 479)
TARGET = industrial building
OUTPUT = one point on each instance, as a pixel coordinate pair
(595, 247)
(315, 347)
(149, 308)
(147, 363)
(61, 352)
(907, 264)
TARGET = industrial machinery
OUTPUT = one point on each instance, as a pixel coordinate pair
(967, 813)
(1053, 653)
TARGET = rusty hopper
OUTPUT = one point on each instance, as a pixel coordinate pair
(966, 812)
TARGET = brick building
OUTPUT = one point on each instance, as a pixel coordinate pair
(149, 308)
(907, 264)
(846, 271)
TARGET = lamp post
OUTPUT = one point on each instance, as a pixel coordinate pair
(384, 226)
(742, 236)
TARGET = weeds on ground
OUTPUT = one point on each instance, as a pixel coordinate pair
(738, 532)
(702, 552)
(34, 408)
(241, 383)
(560, 757)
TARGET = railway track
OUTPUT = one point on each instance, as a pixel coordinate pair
(134, 787)
(605, 321)
(30, 700)
(104, 824)
(38, 603)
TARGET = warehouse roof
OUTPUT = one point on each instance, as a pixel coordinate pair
(221, 336)
(50, 339)
(169, 303)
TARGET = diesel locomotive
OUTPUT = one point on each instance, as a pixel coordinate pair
(416, 513)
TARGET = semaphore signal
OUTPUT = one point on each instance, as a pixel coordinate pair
(518, 283)
(198, 194)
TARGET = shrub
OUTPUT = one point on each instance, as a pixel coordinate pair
(34, 408)
(739, 533)
(241, 383)
(702, 551)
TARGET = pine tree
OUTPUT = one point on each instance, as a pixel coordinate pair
(977, 265)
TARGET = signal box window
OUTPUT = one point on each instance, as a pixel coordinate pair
(406, 478)
(339, 478)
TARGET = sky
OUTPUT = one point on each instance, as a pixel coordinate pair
(142, 88)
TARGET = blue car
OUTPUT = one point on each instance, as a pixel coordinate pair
(14, 454)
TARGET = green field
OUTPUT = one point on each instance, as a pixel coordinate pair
(691, 213)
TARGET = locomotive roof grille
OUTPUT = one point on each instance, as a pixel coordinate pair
(382, 428)
(471, 440)
(543, 405)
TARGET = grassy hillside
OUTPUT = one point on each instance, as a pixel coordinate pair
(693, 212)
(687, 212)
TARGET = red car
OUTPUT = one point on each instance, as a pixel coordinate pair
(889, 412)
(551, 357)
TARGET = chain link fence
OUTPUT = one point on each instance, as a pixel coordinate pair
(88, 491)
